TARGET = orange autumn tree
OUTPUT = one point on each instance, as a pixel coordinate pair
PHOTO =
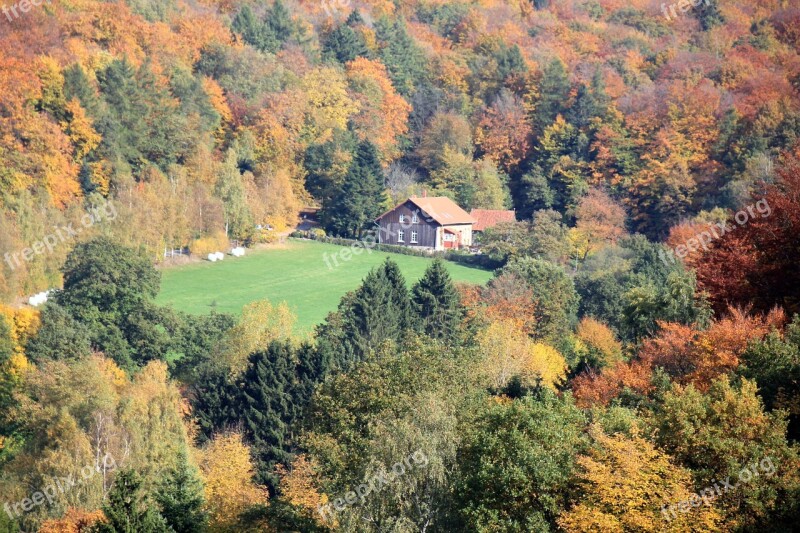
(599, 388)
(600, 222)
(383, 114)
(503, 132)
(699, 357)
(687, 355)
(73, 521)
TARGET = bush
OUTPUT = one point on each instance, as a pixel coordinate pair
(216, 242)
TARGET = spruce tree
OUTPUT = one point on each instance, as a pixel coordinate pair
(128, 509)
(378, 311)
(436, 304)
(344, 44)
(267, 409)
(77, 85)
(404, 60)
(360, 199)
(373, 316)
(214, 402)
(399, 295)
(254, 31)
(279, 21)
(180, 497)
(553, 93)
(709, 15)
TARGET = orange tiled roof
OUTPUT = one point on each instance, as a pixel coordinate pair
(440, 208)
(488, 218)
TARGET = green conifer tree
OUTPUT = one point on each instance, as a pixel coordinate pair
(267, 409)
(129, 510)
(181, 499)
(436, 304)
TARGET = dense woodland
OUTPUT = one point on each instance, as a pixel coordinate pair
(596, 383)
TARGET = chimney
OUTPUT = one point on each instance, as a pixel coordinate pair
(424, 193)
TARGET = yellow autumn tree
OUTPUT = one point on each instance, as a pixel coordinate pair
(329, 106)
(509, 352)
(598, 345)
(300, 486)
(261, 323)
(629, 486)
(227, 472)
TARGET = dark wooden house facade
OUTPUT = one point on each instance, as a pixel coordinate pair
(431, 223)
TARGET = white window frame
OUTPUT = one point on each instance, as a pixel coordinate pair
(414, 218)
(402, 219)
(401, 236)
(414, 237)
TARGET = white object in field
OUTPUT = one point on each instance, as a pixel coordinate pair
(220, 256)
(212, 257)
(238, 251)
(38, 299)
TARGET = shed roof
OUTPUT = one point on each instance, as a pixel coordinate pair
(488, 218)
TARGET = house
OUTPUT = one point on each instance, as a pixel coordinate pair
(428, 223)
(489, 218)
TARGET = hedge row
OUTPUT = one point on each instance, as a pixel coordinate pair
(464, 258)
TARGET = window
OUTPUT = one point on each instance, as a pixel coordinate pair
(413, 237)
(401, 236)
(402, 218)
(414, 218)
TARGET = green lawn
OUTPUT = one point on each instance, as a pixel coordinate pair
(296, 274)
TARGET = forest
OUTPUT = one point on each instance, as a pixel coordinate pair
(632, 365)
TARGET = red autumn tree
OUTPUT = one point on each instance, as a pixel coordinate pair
(757, 262)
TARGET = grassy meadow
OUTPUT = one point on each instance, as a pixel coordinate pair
(295, 273)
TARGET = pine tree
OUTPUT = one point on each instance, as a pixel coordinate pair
(128, 510)
(268, 410)
(554, 90)
(436, 304)
(181, 498)
(279, 21)
(404, 60)
(379, 310)
(344, 44)
(77, 85)
(214, 402)
(360, 199)
(709, 15)
(399, 295)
